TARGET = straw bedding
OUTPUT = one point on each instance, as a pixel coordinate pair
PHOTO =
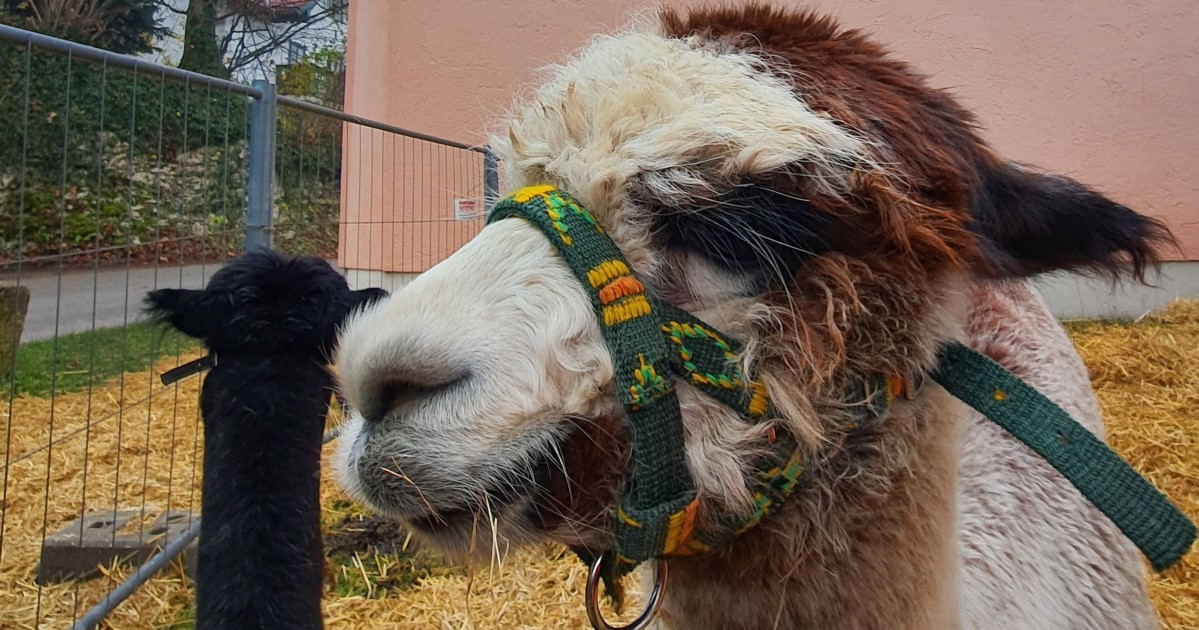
(1146, 374)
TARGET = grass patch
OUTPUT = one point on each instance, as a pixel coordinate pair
(370, 556)
(185, 620)
(73, 361)
(375, 575)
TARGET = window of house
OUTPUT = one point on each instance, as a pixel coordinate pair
(296, 52)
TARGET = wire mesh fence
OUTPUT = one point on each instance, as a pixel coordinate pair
(383, 202)
(118, 177)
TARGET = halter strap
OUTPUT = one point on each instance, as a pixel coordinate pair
(1139, 510)
(652, 343)
(191, 368)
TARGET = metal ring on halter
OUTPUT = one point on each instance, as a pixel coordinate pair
(593, 595)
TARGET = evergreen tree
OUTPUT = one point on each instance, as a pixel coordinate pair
(201, 48)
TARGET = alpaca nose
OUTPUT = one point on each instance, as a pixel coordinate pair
(395, 392)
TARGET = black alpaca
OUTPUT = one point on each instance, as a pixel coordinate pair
(269, 323)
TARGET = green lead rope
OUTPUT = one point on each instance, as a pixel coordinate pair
(1145, 516)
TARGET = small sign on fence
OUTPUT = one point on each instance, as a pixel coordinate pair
(468, 209)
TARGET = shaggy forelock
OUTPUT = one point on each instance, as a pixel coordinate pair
(642, 125)
(672, 117)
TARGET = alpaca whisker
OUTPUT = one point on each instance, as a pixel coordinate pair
(556, 508)
(561, 460)
(576, 421)
(400, 474)
(778, 614)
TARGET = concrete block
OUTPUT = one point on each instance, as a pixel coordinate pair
(170, 526)
(98, 539)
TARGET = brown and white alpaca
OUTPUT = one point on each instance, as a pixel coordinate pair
(787, 181)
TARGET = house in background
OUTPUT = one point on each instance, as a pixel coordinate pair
(1102, 90)
(260, 36)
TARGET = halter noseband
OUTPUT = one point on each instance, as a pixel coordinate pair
(652, 343)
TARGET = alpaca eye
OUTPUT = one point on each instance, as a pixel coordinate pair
(751, 228)
(245, 294)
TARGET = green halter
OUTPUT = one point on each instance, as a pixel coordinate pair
(653, 343)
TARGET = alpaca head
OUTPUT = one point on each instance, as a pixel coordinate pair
(778, 176)
(264, 303)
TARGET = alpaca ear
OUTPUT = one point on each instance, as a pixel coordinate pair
(365, 297)
(1029, 223)
(188, 310)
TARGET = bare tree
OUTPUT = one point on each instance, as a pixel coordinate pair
(255, 29)
(261, 27)
(56, 17)
(124, 26)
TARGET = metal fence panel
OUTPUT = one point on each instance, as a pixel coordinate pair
(118, 177)
(118, 180)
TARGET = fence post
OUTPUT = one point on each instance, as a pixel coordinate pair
(261, 168)
(491, 179)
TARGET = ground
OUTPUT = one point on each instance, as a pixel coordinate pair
(141, 448)
(80, 300)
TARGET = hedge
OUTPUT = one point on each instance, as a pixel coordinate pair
(132, 159)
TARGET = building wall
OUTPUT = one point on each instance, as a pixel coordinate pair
(1102, 90)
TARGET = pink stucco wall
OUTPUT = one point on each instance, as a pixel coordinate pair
(1103, 90)
(398, 195)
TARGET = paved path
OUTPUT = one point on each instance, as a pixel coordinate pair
(106, 290)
